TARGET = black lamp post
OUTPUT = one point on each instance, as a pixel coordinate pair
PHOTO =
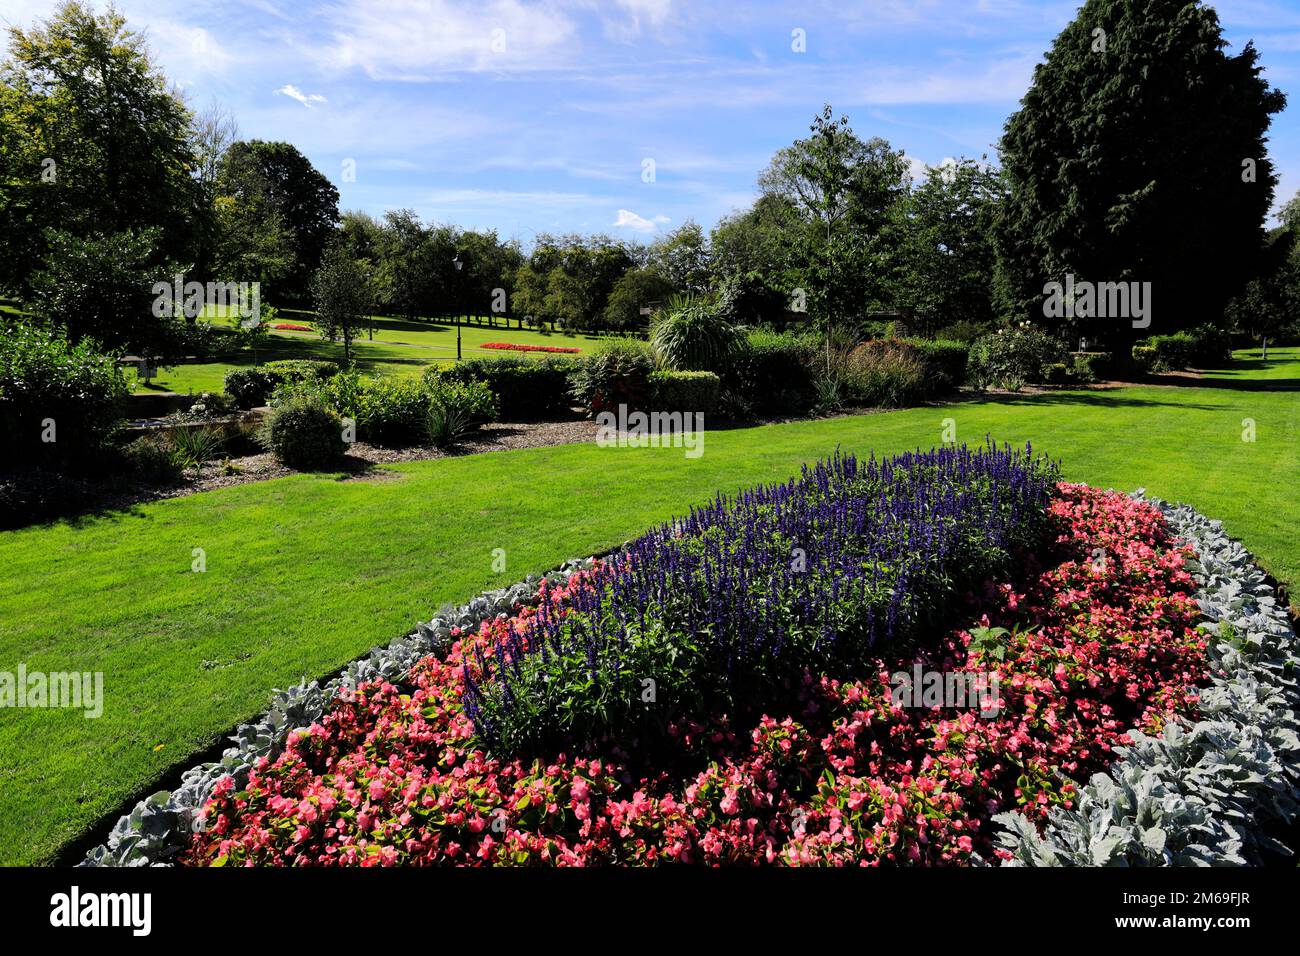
(459, 264)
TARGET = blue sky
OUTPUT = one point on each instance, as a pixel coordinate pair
(535, 117)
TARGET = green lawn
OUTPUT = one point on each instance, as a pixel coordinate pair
(399, 348)
(307, 572)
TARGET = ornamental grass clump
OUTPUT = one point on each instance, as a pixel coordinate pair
(728, 608)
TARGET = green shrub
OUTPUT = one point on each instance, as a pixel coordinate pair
(733, 404)
(392, 412)
(301, 370)
(616, 373)
(1092, 366)
(1012, 357)
(1205, 346)
(456, 409)
(475, 398)
(251, 387)
(1144, 356)
(773, 371)
(303, 432)
(525, 388)
(945, 363)
(684, 391)
(963, 331)
(151, 459)
(48, 383)
(884, 374)
(1172, 352)
(387, 412)
(694, 335)
(1058, 373)
(1211, 346)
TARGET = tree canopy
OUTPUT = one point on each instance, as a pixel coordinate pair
(93, 141)
(1138, 155)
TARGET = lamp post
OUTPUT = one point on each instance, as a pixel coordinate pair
(459, 264)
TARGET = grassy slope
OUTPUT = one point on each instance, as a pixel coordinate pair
(417, 344)
(308, 572)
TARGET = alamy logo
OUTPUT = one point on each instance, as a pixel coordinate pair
(949, 689)
(1098, 300)
(653, 430)
(57, 689)
(75, 909)
(194, 299)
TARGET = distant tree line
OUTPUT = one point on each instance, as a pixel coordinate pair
(1138, 154)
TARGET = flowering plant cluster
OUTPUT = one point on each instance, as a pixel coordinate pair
(718, 610)
(291, 327)
(557, 349)
(1095, 635)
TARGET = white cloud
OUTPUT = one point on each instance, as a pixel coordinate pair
(1006, 79)
(627, 219)
(426, 39)
(639, 14)
(915, 167)
(306, 99)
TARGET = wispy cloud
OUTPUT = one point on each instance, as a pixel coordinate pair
(532, 115)
(306, 99)
(428, 39)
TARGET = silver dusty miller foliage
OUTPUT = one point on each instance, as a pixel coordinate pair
(1203, 793)
(1200, 794)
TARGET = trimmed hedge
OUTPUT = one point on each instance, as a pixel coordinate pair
(251, 387)
(772, 371)
(945, 362)
(389, 412)
(684, 391)
(525, 389)
(1205, 346)
(1172, 352)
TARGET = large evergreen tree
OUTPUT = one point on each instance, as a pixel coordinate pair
(1138, 155)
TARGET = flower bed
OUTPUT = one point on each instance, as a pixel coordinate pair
(1093, 638)
(508, 347)
(849, 777)
(722, 609)
(291, 327)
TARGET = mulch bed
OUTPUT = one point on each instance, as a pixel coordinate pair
(54, 495)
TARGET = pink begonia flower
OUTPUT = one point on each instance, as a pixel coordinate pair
(894, 784)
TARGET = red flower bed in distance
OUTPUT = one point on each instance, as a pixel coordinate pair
(1100, 639)
(558, 349)
(292, 327)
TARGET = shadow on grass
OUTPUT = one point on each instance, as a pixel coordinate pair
(1226, 379)
(1100, 398)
